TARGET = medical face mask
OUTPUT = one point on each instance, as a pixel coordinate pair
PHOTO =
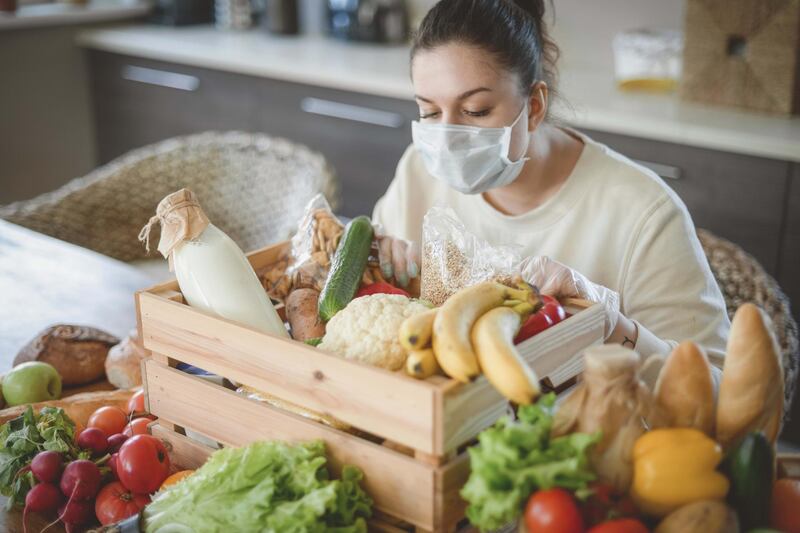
(470, 159)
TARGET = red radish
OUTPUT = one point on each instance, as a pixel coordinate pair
(42, 498)
(115, 441)
(75, 513)
(112, 464)
(93, 439)
(46, 466)
(81, 480)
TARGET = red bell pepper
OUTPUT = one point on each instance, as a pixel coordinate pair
(549, 315)
(380, 287)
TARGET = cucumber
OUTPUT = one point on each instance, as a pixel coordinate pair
(347, 268)
(749, 466)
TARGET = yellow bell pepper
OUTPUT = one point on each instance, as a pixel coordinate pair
(673, 467)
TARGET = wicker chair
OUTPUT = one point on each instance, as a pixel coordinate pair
(742, 279)
(254, 187)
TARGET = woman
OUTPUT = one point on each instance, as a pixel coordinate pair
(592, 223)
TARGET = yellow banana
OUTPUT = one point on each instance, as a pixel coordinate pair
(454, 321)
(493, 340)
(416, 330)
(421, 364)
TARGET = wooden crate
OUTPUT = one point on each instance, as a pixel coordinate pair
(417, 480)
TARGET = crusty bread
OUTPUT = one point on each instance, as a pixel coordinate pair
(79, 407)
(684, 391)
(751, 391)
(78, 353)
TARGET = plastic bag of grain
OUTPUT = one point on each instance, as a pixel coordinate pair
(454, 258)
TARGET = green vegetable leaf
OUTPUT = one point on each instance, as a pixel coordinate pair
(514, 458)
(264, 487)
(22, 438)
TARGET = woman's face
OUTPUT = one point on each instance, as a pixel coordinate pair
(462, 84)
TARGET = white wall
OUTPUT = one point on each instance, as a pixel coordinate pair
(584, 28)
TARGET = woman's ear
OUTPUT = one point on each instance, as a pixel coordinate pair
(537, 105)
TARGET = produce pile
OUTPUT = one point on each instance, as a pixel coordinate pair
(104, 472)
(113, 470)
(618, 457)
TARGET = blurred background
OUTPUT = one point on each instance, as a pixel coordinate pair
(704, 93)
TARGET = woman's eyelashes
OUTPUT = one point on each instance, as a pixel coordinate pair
(423, 115)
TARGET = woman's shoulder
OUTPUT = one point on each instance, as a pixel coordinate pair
(615, 175)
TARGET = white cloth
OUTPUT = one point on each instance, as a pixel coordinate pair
(614, 221)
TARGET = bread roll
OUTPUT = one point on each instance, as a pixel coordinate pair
(751, 391)
(684, 392)
(78, 353)
(123, 365)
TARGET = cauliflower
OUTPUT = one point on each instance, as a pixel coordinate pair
(367, 330)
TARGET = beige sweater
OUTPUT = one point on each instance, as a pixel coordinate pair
(614, 221)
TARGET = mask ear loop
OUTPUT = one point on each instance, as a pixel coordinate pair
(506, 140)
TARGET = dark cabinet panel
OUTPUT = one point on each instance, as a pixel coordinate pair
(139, 101)
(735, 196)
(789, 268)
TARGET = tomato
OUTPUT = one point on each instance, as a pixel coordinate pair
(553, 511)
(112, 465)
(549, 315)
(115, 503)
(176, 478)
(605, 503)
(143, 464)
(783, 513)
(380, 287)
(623, 525)
(137, 427)
(136, 404)
(108, 419)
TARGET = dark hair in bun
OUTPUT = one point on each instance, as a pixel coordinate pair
(513, 31)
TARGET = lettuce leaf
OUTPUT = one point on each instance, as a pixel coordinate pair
(514, 458)
(264, 487)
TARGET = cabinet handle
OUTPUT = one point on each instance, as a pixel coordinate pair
(668, 172)
(160, 78)
(355, 113)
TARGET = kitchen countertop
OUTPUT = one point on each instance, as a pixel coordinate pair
(590, 98)
(62, 14)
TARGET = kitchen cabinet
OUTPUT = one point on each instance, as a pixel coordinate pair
(738, 197)
(139, 101)
(789, 268)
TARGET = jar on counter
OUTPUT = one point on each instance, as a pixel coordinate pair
(648, 60)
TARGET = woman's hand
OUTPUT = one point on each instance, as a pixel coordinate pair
(399, 259)
(560, 281)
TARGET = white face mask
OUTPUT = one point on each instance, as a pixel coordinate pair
(470, 159)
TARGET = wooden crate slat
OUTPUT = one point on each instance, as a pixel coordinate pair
(184, 453)
(450, 507)
(399, 485)
(375, 400)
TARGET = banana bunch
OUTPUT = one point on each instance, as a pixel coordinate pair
(472, 332)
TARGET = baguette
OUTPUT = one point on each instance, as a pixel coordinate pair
(751, 391)
(79, 407)
(684, 392)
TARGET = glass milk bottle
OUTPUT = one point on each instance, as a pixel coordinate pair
(213, 273)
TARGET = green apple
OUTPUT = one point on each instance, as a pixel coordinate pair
(30, 383)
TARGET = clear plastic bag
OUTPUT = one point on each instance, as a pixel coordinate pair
(454, 258)
(307, 263)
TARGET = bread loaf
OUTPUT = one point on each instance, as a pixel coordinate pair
(684, 392)
(751, 391)
(78, 353)
(79, 407)
(123, 365)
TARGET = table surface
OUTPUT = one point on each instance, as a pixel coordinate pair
(44, 281)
